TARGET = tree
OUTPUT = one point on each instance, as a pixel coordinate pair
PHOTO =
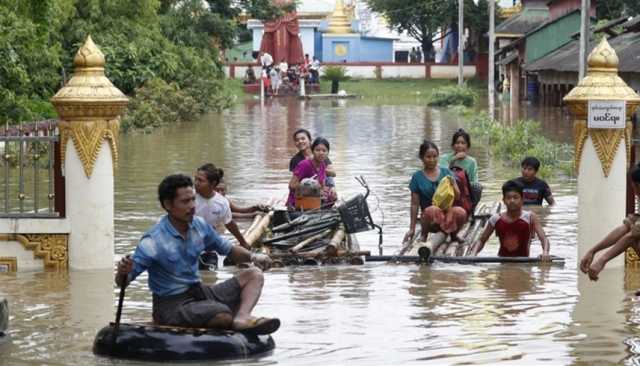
(612, 9)
(424, 19)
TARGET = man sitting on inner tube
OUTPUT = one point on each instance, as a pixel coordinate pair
(169, 252)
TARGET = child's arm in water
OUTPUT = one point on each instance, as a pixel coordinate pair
(479, 244)
(537, 227)
(620, 246)
(605, 243)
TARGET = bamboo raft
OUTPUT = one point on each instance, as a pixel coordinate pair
(439, 246)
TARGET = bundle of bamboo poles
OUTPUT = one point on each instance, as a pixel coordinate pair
(311, 238)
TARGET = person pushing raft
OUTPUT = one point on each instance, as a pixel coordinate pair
(515, 227)
(169, 252)
(617, 241)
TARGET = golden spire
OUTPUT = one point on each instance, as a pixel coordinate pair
(339, 20)
(603, 58)
(602, 81)
(89, 106)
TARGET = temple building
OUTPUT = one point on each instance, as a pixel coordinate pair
(332, 32)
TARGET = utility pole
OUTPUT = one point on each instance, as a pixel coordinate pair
(585, 22)
(461, 41)
(492, 61)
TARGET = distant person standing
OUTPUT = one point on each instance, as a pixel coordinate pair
(314, 70)
(266, 61)
(274, 75)
(418, 55)
(284, 67)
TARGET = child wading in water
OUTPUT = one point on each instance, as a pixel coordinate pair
(534, 188)
(514, 228)
(624, 236)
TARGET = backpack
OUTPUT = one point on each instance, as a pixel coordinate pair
(462, 179)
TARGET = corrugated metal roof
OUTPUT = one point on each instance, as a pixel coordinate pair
(565, 58)
(523, 22)
(507, 60)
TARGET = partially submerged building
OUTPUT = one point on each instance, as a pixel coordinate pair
(557, 72)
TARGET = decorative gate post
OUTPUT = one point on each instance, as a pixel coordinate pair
(89, 107)
(602, 104)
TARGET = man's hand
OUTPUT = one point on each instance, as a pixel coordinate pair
(262, 208)
(409, 236)
(585, 262)
(594, 270)
(262, 261)
(125, 266)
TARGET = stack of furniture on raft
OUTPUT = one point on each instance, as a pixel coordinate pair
(314, 236)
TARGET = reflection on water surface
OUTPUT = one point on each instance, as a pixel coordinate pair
(360, 315)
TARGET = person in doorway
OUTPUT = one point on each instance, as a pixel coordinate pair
(412, 55)
(169, 252)
(618, 240)
(534, 188)
(213, 207)
(460, 144)
(418, 55)
(314, 168)
(423, 186)
(515, 227)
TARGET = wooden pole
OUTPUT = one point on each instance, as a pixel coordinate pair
(584, 38)
(492, 77)
(461, 41)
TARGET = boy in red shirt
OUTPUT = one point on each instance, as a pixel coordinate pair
(514, 228)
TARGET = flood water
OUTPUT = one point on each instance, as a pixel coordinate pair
(375, 314)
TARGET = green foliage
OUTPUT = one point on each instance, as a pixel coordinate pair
(523, 138)
(424, 20)
(453, 95)
(335, 73)
(175, 41)
(158, 103)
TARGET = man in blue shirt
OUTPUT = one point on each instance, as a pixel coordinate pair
(169, 252)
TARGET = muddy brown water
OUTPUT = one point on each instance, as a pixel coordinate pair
(375, 314)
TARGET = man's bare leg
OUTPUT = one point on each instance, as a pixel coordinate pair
(251, 281)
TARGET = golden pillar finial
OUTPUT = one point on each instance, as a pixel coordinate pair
(601, 83)
(89, 106)
(339, 20)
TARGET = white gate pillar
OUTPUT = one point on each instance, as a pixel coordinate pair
(89, 107)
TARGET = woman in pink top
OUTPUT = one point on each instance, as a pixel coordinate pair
(315, 168)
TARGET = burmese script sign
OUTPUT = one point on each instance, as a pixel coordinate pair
(607, 114)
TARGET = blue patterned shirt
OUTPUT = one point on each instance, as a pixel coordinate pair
(171, 260)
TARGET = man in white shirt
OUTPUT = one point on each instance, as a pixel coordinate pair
(266, 60)
(213, 207)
